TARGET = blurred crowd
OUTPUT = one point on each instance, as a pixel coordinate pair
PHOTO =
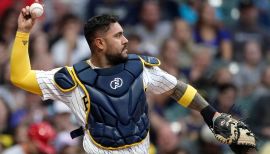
(220, 47)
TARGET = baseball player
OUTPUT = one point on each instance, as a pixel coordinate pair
(107, 93)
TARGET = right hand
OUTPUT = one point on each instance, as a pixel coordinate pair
(25, 21)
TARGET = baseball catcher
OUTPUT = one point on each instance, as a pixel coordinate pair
(107, 92)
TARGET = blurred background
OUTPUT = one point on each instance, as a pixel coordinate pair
(221, 47)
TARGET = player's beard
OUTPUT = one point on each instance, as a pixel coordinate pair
(117, 58)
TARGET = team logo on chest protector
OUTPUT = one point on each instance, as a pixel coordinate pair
(116, 83)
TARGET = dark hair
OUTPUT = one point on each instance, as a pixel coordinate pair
(216, 26)
(222, 88)
(98, 24)
(134, 36)
(69, 17)
(244, 4)
(5, 17)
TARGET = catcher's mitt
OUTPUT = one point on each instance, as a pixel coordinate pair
(233, 132)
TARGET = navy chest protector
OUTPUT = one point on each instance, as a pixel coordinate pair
(118, 111)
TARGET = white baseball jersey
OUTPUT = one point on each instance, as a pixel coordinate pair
(155, 79)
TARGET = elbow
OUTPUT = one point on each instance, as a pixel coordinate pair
(15, 78)
(15, 81)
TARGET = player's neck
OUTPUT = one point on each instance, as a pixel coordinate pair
(99, 61)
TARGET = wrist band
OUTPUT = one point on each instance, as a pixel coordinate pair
(188, 96)
(208, 114)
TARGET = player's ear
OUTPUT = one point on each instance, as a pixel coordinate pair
(100, 43)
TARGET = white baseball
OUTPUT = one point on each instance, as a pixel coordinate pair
(36, 10)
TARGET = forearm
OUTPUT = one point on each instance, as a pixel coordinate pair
(188, 97)
(196, 101)
(21, 74)
(226, 129)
